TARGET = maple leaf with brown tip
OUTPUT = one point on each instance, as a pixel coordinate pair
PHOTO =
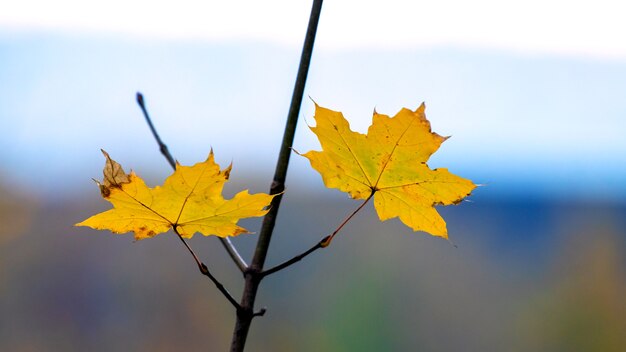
(189, 201)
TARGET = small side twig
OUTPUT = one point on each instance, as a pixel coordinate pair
(234, 255)
(323, 243)
(162, 146)
(205, 271)
(228, 245)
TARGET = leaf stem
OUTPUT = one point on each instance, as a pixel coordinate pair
(345, 221)
(323, 243)
(205, 271)
(253, 275)
(200, 264)
(297, 258)
(228, 245)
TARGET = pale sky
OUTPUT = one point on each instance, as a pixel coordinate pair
(580, 28)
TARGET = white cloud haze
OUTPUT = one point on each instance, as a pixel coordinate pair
(587, 28)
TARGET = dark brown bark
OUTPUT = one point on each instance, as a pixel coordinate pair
(253, 274)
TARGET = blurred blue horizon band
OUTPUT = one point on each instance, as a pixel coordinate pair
(521, 123)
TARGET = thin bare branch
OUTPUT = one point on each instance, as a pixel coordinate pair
(234, 255)
(228, 245)
(162, 146)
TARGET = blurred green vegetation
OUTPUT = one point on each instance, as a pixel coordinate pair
(525, 275)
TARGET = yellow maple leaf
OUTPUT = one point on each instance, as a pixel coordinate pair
(389, 164)
(189, 201)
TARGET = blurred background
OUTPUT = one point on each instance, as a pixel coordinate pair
(531, 93)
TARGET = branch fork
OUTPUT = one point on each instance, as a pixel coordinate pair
(254, 272)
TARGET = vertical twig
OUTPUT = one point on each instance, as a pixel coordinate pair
(228, 245)
(253, 274)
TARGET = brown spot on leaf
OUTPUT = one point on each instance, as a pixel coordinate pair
(104, 191)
